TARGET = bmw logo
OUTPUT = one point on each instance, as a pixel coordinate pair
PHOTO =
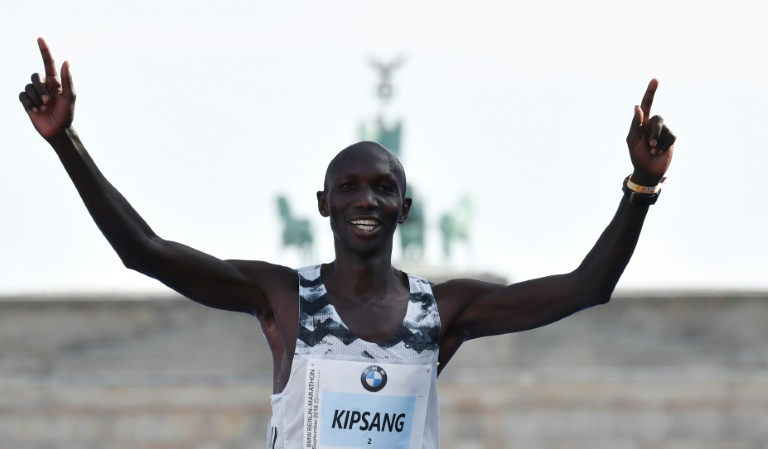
(374, 378)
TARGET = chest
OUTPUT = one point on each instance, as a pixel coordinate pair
(401, 326)
(376, 322)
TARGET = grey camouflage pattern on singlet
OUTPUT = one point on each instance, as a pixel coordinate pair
(321, 329)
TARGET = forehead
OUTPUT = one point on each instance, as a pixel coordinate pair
(365, 159)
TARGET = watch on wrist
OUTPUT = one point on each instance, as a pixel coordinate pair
(637, 195)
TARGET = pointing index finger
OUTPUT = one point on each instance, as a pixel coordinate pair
(645, 105)
(50, 67)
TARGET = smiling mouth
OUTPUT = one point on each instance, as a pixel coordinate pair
(365, 225)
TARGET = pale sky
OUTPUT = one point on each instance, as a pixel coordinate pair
(200, 113)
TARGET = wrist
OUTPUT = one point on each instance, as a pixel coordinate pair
(638, 194)
(66, 134)
(646, 180)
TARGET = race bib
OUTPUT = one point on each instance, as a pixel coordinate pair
(365, 405)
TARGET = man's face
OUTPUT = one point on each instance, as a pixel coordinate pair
(364, 199)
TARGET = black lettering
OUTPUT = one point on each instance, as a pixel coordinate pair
(355, 419)
(365, 421)
(368, 421)
(375, 422)
(387, 422)
(400, 423)
(337, 418)
(310, 399)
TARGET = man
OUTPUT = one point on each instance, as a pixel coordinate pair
(356, 343)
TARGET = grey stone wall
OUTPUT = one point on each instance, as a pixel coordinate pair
(664, 370)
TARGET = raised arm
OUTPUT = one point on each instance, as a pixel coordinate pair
(229, 285)
(471, 309)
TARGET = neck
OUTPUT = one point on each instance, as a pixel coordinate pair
(363, 279)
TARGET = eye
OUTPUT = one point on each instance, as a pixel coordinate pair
(387, 188)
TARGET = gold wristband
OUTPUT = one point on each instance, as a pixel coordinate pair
(643, 189)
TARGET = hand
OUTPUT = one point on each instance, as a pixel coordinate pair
(49, 103)
(650, 142)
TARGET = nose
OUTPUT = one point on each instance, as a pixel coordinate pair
(366, 198)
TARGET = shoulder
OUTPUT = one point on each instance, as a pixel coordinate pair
(274, 280)
(258, 268)
(455, 299)
(463, 290)
(455, 295)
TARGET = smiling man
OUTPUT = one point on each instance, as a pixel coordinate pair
(356, 343)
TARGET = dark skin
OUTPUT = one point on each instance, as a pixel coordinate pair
(364, 199)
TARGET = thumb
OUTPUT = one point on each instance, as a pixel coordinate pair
(67, 87)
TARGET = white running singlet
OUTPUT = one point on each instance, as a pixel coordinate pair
(345, 392)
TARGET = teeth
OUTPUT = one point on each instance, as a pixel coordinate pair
(365, 225)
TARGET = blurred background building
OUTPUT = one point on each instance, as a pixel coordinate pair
(666, 370)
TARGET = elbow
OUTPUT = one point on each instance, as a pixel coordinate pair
(601, 299)
(133, 263)
(594, 291)
(601, 294)
(138, 256)
(130, 263)
(592, 299)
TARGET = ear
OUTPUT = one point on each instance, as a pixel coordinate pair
(406, 209)
(322, 203)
